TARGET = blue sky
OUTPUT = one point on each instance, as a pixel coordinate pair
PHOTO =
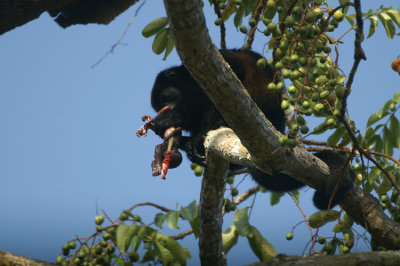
(67, 132)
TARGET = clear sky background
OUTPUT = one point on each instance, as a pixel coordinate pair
(68, 143)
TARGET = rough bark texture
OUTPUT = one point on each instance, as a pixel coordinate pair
(9, 259)
(210, 211)
(14, 13)
(383, 258)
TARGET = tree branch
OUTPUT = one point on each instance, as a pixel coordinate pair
(210, 211)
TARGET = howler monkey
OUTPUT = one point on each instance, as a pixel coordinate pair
(190, 109)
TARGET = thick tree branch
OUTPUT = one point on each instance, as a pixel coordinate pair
(386, 258)
(210, 211)
(14, 13)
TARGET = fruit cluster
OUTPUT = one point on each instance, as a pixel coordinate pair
(302, 59)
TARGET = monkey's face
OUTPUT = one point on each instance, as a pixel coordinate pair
(167, 96)
(170, 96)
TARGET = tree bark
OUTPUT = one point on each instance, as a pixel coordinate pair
(7, 258)
(383, 258)
(14, 13)
(210, 211)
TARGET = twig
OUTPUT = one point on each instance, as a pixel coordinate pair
(256, 16)
(222, 26)
(121, 37)
(245, 195)
(304, 216)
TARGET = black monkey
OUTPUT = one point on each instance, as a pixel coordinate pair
(194, 112)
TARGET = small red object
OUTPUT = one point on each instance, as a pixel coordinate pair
(165, 164)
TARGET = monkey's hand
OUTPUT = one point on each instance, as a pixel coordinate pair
(143, 129)
(194, 149)
(150, 122)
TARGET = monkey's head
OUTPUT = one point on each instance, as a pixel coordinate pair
(167, 92)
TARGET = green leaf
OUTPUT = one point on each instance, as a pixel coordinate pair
(347, 220)
(350, 19)
(172, 219)
(275, 197)
(195, 226)
(296, 195)
(174, 247)
(190, 212)
(388, 141)
(163, 253)
(338, 228)
(241, 221)
(342, 2)
(159, 219)
(348, 237)
(373, 175)
(321, 218)
(238, 19)
(155, 26)
(160, 41)
(149, 256)
(335, 137)
(394, 127)
(230, 238)
(144, 231)
(385, 186)
(378, 144)
(376, 117)
(387, 23)
(270, 13)
(394, 15)
(229, 10)
(260, 246)
(396, 96)
(170, 46)
(120, 261)
(125, 235)
(373, 25)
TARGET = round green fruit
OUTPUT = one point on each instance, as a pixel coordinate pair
(338, 15)
(271, 4)
(243, 29)
(285, 73)
(59, 260)
(311, 16)
(198, 171)
(290, 21)
(271, 86)
(234, 192)
(280, 86)
(271, 27)
(99, 219)
(319, 108)
(133, 256)
(384, 198)
(72, 245)
(289, 236)
(261, 63)
(291, 143)
(304, 129)
(252, 22)
(284, 104)
(292, 89)
(218, 22)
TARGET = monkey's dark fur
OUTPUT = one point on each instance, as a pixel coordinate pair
(192, 110)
